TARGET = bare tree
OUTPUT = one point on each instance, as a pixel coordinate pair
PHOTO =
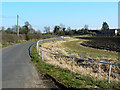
(62, 27)
(68, 29)
(47, 29)
(86, 27)
(38, 31)
(2, 28)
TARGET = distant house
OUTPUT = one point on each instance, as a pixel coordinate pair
(109, 32)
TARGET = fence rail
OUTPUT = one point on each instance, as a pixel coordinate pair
(39, 48)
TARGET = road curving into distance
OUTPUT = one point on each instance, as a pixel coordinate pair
(17, 68)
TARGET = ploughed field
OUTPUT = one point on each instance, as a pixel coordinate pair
(110, 43)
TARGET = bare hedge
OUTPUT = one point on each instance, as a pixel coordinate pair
(12, 38)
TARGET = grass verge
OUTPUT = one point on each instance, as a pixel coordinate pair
(10, 44)
(68, 78)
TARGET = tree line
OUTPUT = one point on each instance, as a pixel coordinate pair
(58, 30)
(26, 32)
(27, 28)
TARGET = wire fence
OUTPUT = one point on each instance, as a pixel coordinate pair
(39, 49)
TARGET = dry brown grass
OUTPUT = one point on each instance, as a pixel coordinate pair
(97, 70)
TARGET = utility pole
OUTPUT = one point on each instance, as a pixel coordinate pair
(18, 27)
(119, 15)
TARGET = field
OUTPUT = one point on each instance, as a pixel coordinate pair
(66, 77)
(72, 47)
(106, 43)
(89, 53)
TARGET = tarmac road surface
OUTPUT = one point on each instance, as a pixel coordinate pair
(17, 69)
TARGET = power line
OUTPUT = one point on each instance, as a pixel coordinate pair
(8, 17)
(22, 18)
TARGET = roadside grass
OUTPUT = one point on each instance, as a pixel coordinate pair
(10, 44)
(52, 41)
(86, 52)
(68, 78)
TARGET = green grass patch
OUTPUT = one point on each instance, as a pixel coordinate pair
(10, 44)
(68, 78)
(74, 46)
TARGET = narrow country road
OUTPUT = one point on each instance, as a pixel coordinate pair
(17, 69)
